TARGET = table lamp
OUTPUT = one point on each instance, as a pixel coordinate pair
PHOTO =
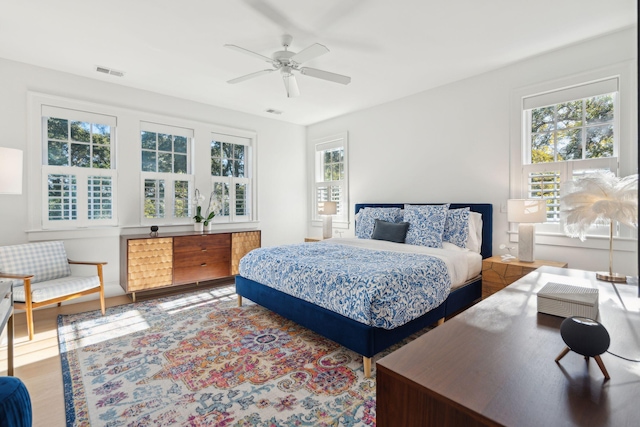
(526, 212)
(326, 209)
(10, 171)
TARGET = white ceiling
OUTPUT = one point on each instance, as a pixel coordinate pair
(391, 49)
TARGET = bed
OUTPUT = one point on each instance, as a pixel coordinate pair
(366, 336)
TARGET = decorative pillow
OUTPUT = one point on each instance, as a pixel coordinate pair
(368, 216)
(426, 224)
(474, 241)
(456, 228)
(389, 231)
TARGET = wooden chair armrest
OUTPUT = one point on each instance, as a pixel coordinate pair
(86, 262)
(15, 276)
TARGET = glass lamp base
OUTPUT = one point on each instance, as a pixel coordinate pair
(611, 277)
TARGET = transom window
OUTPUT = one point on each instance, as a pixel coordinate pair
(78, 168)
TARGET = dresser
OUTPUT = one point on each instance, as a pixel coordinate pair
(494, 364)
(173, 259)
(6, 319)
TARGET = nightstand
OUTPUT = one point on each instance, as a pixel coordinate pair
(497, 274)
(313, 239)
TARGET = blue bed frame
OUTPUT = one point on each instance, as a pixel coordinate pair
(364, 339)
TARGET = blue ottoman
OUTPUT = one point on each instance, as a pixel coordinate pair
(15, 404)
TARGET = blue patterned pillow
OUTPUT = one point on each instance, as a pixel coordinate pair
(426, 224)
(456, 228)
(366, 219)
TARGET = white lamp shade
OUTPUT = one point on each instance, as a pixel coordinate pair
(327, 208)
(526, 210)
(10, 171)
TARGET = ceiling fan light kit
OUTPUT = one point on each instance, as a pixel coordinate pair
(288, 62)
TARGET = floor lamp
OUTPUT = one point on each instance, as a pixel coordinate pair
(326, 209)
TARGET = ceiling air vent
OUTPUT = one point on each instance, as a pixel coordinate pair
(110, 71)
(272, 111)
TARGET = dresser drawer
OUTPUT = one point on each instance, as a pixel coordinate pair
(198, 258)
(203, 243)
(205, 271)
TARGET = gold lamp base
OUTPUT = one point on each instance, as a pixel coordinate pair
(611, 277)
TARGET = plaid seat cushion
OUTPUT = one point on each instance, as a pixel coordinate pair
(51, 289)
(45, 260)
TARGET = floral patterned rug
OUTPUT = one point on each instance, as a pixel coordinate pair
(198, 360)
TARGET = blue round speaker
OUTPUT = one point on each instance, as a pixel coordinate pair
(585, 336)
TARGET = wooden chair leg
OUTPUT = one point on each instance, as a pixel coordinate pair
(28, 308)
(102, 307)
(366, 363)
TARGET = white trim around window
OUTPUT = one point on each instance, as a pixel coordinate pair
(331, 178)
(620, 77)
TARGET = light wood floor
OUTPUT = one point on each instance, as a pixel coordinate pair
(37, 362)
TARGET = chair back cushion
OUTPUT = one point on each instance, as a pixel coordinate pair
(45, 260)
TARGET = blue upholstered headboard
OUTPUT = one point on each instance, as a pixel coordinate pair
(485, 209)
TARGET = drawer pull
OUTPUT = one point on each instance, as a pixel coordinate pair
(204, 264)
(204, 249)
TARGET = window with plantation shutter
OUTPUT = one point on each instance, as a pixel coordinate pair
(167, 176)
(568, 133)
(232, 176)
(331, 176)
(78, 168)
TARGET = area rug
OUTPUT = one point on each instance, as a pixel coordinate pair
(198, 360)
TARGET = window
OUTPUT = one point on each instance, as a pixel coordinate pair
(231, 176)
(568, 133)
(166, 172)
(79, 178)
(331, 176)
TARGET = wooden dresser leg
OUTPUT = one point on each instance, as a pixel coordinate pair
(366, 363)
(133, 296)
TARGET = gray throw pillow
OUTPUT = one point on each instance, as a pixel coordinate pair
(389, 231)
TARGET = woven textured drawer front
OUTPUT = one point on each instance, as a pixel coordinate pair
(150, 263)
(242, 244)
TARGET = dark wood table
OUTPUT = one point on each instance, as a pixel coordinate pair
(493, 365)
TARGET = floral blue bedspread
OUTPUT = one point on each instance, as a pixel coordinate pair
(379, 288)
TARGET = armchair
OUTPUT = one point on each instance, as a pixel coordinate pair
(45, 272)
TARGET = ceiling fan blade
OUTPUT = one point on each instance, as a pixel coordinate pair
(311, 52)
(291, 85)
(325, 75)
(249, 76)
(274, 15)
(248, 52)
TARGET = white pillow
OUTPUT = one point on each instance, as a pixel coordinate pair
(474, 239)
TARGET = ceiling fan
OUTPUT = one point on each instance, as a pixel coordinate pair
(287, 62)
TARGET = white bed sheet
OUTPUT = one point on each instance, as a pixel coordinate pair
(463, 264)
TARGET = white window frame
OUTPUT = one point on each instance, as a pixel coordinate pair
(169, 178)
(341, 219)
(625, 149)
(248, 139)
(78, 113)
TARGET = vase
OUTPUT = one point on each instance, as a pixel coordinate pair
(208, 227)
(198, 227)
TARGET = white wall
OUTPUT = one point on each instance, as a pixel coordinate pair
(280, 159)
(452, 143)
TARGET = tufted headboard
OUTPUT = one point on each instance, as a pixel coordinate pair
(485, 209)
